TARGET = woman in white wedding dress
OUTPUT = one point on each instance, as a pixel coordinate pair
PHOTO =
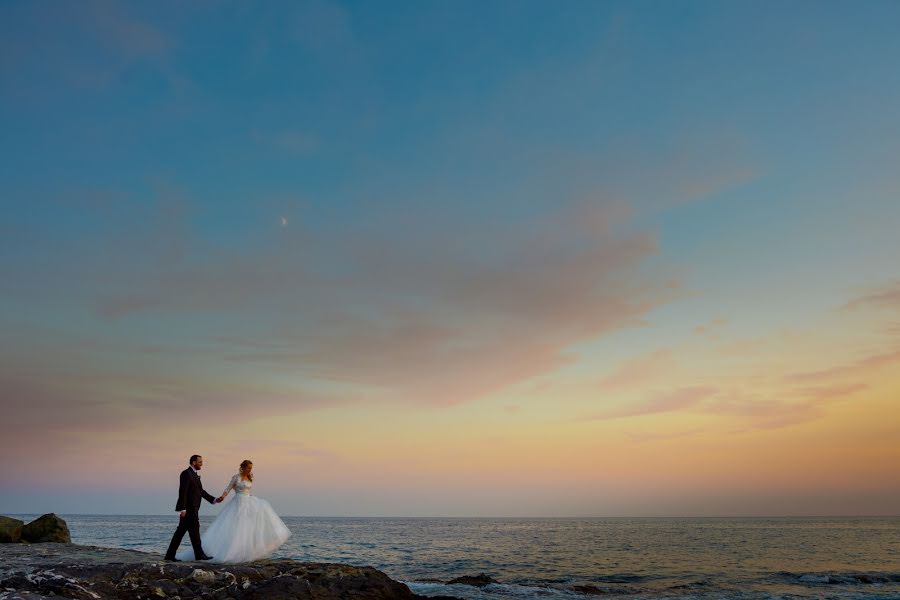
(247, 529)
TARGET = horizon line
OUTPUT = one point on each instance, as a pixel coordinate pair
(782, 516)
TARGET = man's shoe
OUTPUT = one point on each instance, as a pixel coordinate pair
(172, 559)
(204, 558)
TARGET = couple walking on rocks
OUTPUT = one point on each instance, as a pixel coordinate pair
(247, 529)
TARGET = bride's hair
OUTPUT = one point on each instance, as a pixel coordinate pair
(243, 468)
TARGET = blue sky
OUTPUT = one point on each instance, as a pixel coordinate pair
(342, 207)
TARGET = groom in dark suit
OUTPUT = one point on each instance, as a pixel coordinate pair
(190, 492)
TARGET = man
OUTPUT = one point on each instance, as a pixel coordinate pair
(190, 492)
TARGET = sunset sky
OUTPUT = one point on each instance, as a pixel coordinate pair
(452, 258)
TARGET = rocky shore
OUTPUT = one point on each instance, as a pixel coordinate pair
(45, 570)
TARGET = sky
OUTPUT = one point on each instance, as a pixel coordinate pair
(452, 258)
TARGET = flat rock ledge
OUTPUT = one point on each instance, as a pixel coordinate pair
(38, 571)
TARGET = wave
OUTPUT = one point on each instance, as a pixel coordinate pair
(836, 578)
(493, 591)
(849, 585)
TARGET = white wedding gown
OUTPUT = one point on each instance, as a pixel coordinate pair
(247, 529)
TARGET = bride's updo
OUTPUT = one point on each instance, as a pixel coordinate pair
(245, 469)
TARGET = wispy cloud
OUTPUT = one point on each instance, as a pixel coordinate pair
(402, 308)
(87, 44)
(756, 410)
(887, 296)
(711, 329)
(289, 449)
(124, 33)
(759, 411)
(649, 437)
(859, 368)
(659, 402)
(422, 311)
(93, 402)
(444, 323)
(832, 391)
(639, 371)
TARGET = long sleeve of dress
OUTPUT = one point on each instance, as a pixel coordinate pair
(230, 485)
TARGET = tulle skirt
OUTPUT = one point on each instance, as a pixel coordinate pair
(247, 529)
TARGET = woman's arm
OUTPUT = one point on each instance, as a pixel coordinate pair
(230, 486)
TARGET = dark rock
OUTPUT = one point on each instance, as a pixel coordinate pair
(479, 580)
(25, 596)
(281, 588)
(589, 589)
(10, 530)
(48, 528)
(164, 587)
(92, 573)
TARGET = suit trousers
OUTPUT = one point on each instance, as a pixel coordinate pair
(190, 524)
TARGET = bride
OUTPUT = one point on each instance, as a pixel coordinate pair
(247, 529)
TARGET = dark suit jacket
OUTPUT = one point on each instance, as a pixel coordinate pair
(190, 492)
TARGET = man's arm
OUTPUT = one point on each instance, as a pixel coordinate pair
(209, 497)
(182, 491)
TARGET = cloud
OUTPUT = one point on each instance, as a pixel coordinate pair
(639, 371)
(887, 296)
(646, 437)
(396, 307)
(758, 411)
(443, 321)
(860, 368)
(761, 412)
(710, 330)
(54, 403)
(88, 44)
(417, 308)
(832, 391)
(792, 407)
(123, 33)
(669, 401)
(291, 450)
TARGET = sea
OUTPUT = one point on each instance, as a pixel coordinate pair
(580, 559)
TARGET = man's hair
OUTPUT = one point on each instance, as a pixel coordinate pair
(193, 458)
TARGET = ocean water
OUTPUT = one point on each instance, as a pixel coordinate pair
(739, 558)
